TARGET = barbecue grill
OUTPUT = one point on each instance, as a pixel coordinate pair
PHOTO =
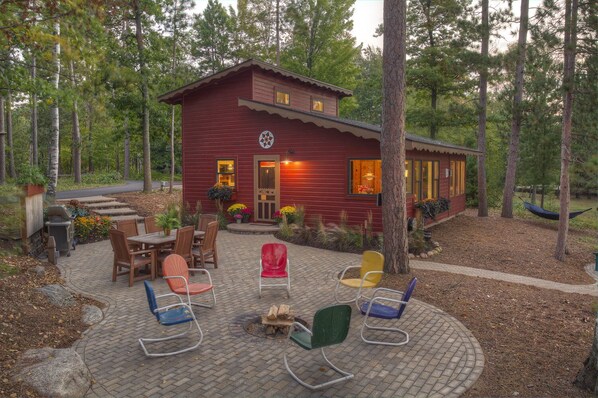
(61, 226)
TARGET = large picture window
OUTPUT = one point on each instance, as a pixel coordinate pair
(226, 172)
(457, 182)
(366, 176)
(425, 180)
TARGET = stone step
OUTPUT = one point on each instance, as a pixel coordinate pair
(130, 217)
(106, 205)
(115, 212)
(89, 199)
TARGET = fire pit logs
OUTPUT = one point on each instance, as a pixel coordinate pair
(278, 319)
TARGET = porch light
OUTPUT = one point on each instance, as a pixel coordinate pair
(287, 157)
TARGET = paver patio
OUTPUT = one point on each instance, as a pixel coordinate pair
(442, 359)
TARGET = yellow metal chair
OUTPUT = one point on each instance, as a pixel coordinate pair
(370, 274)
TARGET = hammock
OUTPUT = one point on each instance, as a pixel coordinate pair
(549, 215)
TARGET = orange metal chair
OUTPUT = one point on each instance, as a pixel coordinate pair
(370, 274)
(124, 257)
(207, 250)
(176, 274)
(275, 264)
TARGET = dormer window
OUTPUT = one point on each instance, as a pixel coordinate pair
(283, 98)
(317, 105)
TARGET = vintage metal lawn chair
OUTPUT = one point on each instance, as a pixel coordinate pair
(330, 327)
(176, 273)
(170, 315)
(206, 250)
(374, 308)
(370, 274)
(132, 260)
(275, 264)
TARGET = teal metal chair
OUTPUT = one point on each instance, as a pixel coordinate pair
(330, 327)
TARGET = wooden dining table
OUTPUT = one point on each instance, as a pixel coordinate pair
(157, 240)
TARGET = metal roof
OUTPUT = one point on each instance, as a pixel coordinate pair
(359, 129)
(175, 96)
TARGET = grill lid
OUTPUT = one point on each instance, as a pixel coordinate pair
(58, 213)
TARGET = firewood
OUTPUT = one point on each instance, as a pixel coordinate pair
(272, 313)
(270, 330)
(283, 312)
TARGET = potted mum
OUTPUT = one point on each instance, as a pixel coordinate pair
(168, 220)
(287, 212)
(236, 211)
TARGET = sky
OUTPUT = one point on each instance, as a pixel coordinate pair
(367, 16)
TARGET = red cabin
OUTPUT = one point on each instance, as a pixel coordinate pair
(275, 137)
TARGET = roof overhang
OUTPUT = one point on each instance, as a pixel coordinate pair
(176, 96)
(361, 130)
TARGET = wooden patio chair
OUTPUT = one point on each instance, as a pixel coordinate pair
(132, 260)
(202, 224)
(129, 227)
(206, 250)
(182, 246)
(330, 327)
(150, 225)
(176, 274)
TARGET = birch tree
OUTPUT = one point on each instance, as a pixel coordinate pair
(76, 132)
(53, 154)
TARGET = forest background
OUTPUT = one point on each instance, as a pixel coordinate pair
(79, 80)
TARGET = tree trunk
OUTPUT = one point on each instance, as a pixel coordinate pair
(434, 105)
(90, 137)
(277, 32)
(482, 188)
(76, 149)
(2, 145)
(147, 167)
(53, 156)
(587, 378)
(568, 85)
(174, 40)
(392, 139)
(127, 160)
(9, 136)
(542, 200)
(507, 198)
(34, 149)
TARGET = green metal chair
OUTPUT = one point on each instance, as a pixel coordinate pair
(330, 327)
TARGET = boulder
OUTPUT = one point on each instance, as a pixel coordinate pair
(423, 255)
(58, 295)
(91, 315)
(431, 253)
(58, 373)
(411, 255)
(39, 270)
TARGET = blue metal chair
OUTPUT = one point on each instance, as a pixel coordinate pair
(375, 309)
(170, 315)
(330, 327)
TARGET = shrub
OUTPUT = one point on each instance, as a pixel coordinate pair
(189, 216)
(106, 177)
(31, 175)
(77, 209)
(300, 215)
(92, 229)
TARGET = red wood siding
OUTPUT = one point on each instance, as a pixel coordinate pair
(264, 85)
(215, 127)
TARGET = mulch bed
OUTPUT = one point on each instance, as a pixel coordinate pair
(515, 246)
(150, 204)
(28, 320)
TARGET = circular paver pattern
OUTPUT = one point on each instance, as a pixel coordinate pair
(442, 359)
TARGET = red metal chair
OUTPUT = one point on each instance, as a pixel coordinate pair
(176, 273)
(275, 264)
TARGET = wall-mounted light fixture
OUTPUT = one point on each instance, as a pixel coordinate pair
(447, 173)
(287, 156)
(368, 176)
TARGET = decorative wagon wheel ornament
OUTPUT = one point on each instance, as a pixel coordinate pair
(266, 139)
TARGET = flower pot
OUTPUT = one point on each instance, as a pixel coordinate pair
(31, 190)
(238, 220)
(246, 218)
(166, 231)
